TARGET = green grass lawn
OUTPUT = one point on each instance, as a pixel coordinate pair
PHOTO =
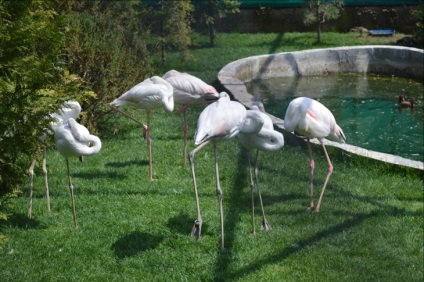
(370, 227)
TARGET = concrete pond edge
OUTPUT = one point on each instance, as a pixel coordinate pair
(386, 60)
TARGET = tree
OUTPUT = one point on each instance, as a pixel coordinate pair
(171, 21)
(106, 45)
(208, 11)
(418, 15)
(319, 12)
(33, 81)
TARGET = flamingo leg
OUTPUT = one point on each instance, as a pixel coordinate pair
(31, 185)
(219, 194)
(265, 225)
(45, 179)
(311, 179)
(185, 107)
(149, 145)
(252, 185)
(130, 117)
(146, 134)
(185, 137)
(330, 170)
(71, 190)
(197, 228)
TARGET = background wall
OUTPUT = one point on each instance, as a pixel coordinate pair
(291, 20)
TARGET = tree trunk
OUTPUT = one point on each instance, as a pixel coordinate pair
(212, 34)
(162, 44)
(319, 17)
(319, 33)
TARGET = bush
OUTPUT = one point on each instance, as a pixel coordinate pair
(418, 15)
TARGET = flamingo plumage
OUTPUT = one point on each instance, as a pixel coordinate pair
(70, 109)
(74, 140)
(267, 139)
(150, 94)
(311, 119)
(189, 91)
(219, 121)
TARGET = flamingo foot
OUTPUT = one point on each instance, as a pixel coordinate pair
(265, 225)
(311, 207)
(197, 229)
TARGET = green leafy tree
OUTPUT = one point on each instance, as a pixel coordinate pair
(418, 15)
(208, 11)
(33, 81)
(319, 12)
(170, 21)
(106, 45)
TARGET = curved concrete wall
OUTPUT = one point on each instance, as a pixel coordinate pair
(387, 60)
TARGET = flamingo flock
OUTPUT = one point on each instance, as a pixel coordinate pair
(221, 120)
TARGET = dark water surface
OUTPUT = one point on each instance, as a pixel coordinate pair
(365, 107)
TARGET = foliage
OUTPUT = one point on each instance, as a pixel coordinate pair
(320, 12)
(6, 203)
(107, 48)
(33, 81)
(418, 15)
(171, 22)
(206, 12)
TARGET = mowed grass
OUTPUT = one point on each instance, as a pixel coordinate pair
(370, 226)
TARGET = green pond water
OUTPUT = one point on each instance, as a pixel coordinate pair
(365, 107)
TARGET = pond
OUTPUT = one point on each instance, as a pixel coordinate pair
(365, 107)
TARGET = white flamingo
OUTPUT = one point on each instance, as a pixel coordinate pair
(312, 119)
(70, 109)
(189, 91)
(267, 139)
(74, 140)
(148, 95)
(221, 120)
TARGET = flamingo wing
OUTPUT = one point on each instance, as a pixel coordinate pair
(220, 120)
(189, 89)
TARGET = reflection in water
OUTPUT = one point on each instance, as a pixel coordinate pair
(365, 107)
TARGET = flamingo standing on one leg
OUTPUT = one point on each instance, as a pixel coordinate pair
(189, 91)
(74, 140)
(148, 95)
(267, 139)
(70, 109)
(221, 120)
(312, 119)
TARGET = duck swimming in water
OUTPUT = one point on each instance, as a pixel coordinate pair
(403, 103)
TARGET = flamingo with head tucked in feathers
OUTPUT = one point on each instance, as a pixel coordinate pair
(148, 95)
(267, 139)
(72, 141)
(221, 120)
(189, 91)
(70, 109)
(312, 119)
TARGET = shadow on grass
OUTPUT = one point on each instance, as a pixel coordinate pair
(127, 163)
(290, 250)
(135, 243)
(238, 194)
(99, 175)
(183, 224)
(21, 221)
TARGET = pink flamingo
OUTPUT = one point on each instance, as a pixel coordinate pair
(312, 119)
(148, 95)
(189, 91)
